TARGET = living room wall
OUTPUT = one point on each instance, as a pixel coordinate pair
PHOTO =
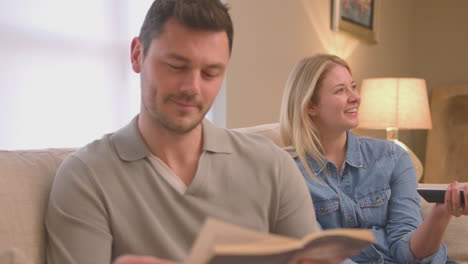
(271, 36)
(439, 42)
(417, 38)
(438, 49)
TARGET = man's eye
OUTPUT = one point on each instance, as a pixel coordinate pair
(209, 75)
(339, 90)
(175, 67)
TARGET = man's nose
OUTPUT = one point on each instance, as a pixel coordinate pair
(192, 83)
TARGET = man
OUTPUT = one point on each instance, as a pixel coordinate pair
(147, 188)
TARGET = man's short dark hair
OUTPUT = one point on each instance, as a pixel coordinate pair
(210, 15)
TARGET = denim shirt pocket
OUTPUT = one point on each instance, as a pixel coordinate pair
(374, 206)
(327, 212)
(368, 255)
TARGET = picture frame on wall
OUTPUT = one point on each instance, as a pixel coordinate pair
(359, 18)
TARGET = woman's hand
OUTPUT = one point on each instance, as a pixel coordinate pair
(452, 199)
(428, 237)
(133, 259)
(453, 205)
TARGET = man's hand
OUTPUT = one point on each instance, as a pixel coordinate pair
(133, 259)
(308, 261)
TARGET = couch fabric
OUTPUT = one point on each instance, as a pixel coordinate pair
(25, 180)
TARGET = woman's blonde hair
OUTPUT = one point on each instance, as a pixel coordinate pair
(296, 127)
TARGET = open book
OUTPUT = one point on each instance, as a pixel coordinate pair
(222, 243)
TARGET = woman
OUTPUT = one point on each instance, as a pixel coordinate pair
(358, 182)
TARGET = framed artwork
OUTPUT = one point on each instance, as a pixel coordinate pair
(360, 18)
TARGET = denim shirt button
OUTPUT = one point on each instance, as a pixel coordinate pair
(378, 199)
(322, 209)
(350, 217)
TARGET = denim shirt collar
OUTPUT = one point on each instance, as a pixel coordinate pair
(353, 150)
(353, 155)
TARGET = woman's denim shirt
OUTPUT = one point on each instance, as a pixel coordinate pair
(375, 189)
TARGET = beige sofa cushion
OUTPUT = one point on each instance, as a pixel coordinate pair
(270, 131)
(25, 181)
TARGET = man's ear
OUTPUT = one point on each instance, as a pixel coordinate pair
(136, 54)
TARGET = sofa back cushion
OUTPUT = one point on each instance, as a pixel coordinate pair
(25, 181)
(270, 131)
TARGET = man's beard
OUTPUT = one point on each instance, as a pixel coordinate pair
(179, 128)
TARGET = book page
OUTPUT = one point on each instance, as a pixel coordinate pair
(328, 242)
(216, 232)
(328, 248)
(224, 243)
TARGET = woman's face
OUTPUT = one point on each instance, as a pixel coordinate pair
(338, 101)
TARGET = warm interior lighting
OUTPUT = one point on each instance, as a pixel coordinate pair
(393, 104)
(334, 42)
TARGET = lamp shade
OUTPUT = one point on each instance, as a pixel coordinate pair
(394, 103)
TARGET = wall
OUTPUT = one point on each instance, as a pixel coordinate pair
(438, 45)
(439, 42)
(272, 35)
(417, 38)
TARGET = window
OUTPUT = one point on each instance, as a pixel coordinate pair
(65, 73)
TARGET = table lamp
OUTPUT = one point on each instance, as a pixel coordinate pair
(393, 104)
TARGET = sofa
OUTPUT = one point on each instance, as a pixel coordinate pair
(26, 177)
